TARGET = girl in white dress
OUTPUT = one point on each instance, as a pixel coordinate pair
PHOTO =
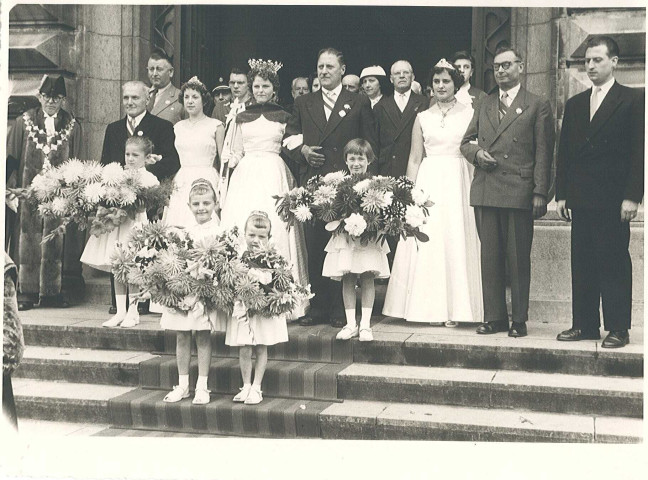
(439, 281)
(347, 259)
(259, 172)
(265, 330)
(99, 249)
(202, 203)
(199, 142)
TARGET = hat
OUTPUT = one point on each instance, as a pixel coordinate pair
(222, 86)
(373, 71)
(53, 87)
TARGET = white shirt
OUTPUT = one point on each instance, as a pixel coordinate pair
(335, 93)
(401, 99)
(512, 93)
(603, 91)
(375, 100)
(135, 120)
(50, 128)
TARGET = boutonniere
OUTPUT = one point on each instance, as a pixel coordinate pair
(416, 108)
(140, 133)
(342, 113)
(518, 110)
(347, 106)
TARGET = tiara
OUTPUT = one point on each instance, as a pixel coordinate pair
(259, 213)
(194, 80)
(270, 65)
(443, 63)
(202, 182)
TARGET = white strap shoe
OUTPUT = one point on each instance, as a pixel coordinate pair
(254, 397)
(114, 321)
(243, 394)
(177, 394)
(366, 335)
(347, 333)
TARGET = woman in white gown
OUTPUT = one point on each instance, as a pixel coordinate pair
(259, 172)
(199, 142)
(439, 281)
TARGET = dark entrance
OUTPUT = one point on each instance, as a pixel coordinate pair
(214, 38)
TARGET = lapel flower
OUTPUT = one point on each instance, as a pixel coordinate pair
(342, 113)
(518, 110)
(347, 106)
(140, 133)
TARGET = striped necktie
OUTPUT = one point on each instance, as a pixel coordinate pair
(503, 105)
(131, 125)
(329, 103)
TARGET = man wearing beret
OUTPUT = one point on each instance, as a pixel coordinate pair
(43, 137)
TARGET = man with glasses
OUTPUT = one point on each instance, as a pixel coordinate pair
(164, 97)
(44, 136)
(510, 141)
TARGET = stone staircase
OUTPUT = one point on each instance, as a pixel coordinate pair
(412, 382)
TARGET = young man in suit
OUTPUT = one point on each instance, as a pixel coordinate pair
(599, 185)
(140, 122)
(164, 97)
(510, 141)
(328, 119)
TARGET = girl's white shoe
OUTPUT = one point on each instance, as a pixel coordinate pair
(366, 335)
(254, 397)
(177, 394)
(243, 394)
(347, 333)
(201, 397)
(114, 321)
(132, 318)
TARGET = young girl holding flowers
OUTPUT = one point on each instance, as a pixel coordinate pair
(98, 250)
(347, 259)
(202, 203)
(254, 331)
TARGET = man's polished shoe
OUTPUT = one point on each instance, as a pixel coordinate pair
(112, 310)
(307, 321)
(574, 335)
(338, 322)
(616, 339)
(25, 305)
(143, 308)
(56, 301)
(492, 327)
(517, 330)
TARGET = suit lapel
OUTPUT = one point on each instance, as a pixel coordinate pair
(335, 118)
(393, 112)
(492, 110)
(605, 110)
(166, 99)
(411, 109)
(315, 107)
(143, 125)
(514, 111)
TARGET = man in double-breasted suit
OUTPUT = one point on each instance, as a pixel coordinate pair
(164, 97)
(599, 185)
(510, 141)
(328, 119)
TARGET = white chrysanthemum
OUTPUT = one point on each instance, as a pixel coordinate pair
(374, 200)
(414, 216)
(334, 177)
(72, 170)
(60, 206)
(92, 172)
(45, 187)
(112, 174)
(388, 198)
(302, 213)
(419, 196)
(45, 209)
(355, 224)
(127, 197)
(111, 195)
(324, 194)
(94, 192)
(362, 186)
(147, 179)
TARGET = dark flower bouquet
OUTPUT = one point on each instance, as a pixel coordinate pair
(361, 206)
(95, 197)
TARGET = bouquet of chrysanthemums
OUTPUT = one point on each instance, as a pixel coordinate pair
(176, 272)
(95, 197)
(361, 206)
(268, 289)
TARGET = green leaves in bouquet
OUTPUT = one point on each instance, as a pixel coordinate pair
(107, 219)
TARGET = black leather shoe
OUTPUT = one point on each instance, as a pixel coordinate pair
(25, 305)
(492, 327)
(143, 308)
(112, 310)
(307, 321)
(517, 330)
(56, 301)
(574, 335)
(338, 322)
(616, 339)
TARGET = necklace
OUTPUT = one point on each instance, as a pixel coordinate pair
(444, 113)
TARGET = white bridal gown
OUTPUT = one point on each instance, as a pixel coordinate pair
(440, 280)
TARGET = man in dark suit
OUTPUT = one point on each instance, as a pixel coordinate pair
(140, 122)
(328, 119)
(510, 141)
(599, 185)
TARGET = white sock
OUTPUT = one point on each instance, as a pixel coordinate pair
(184, 381)
(365, 319)
(120, 303)
(201, 383)
(350, 317)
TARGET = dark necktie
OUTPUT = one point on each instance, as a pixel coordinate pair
(151, 102)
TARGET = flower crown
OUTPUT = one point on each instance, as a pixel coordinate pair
(265, 65)
(195, 81)
(443, 63)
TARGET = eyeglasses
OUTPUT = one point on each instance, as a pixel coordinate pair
(49, 99)
(504, 65)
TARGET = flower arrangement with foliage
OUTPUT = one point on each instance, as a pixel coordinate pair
(361, 206)
(95, 197)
